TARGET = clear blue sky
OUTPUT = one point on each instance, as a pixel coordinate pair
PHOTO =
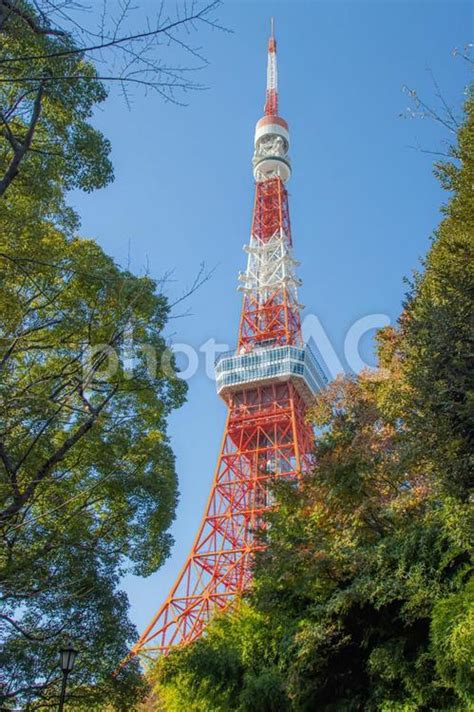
(363, 204)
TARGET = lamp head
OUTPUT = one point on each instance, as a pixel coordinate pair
(67, 657)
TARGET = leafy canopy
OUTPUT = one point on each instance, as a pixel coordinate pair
(87, 476)
(47, 143)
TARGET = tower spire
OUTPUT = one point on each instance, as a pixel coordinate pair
(271, 103)
(272, 138)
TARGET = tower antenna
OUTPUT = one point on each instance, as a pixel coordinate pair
(271, 103)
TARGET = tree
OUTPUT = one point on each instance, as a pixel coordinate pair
(232, 667)
(47, 143)
(87, 474)
(363, 596)
(87, 478)
(52, 74)
(437, 328)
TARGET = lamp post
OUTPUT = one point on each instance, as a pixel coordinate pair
(67, 658)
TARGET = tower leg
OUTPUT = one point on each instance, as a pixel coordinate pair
(265, 439)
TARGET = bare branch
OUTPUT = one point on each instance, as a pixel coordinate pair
(426, 111)
(464, 53)
(440, 96)
(444, 154)
(201, 277)
(114, 42)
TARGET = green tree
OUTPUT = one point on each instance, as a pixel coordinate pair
(88, 483)
(47, 144)
(87, 477)
(231, 667)
(363, 597)
(53, 72)
(437, 328)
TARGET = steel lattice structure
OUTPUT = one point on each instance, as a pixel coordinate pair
(267, 383)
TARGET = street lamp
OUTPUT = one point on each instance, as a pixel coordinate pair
(67, 658)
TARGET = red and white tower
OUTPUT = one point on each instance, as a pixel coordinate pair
(267, 383)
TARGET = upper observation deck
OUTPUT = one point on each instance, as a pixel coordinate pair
(270, 364)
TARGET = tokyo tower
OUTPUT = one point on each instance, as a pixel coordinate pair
(267, 382)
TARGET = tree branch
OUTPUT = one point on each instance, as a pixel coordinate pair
(23, 147)
(27, 635)
(54, 459)
(116, 41)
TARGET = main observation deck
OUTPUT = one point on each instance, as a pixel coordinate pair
(266, 365)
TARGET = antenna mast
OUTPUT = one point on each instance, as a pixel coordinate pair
(271, 104)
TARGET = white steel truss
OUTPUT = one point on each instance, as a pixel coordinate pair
(270, 268)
